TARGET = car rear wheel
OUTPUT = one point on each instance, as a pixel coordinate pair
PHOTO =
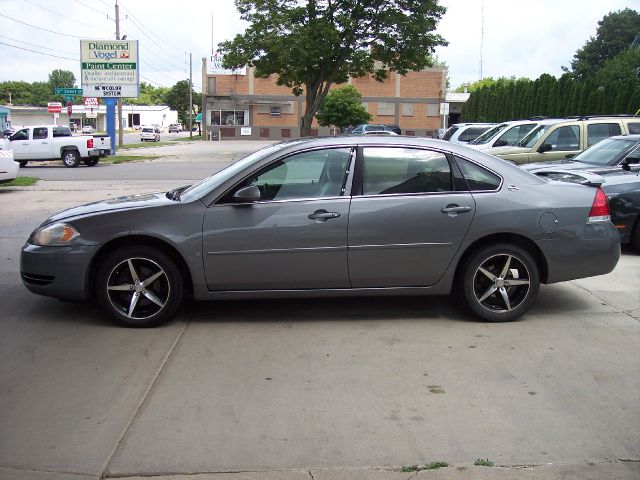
(635, 235)
(91, 162)
(23, 163)
(139, 287)
(500, 282)
(70, 158)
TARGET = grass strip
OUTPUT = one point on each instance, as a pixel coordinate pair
(186, 139)
(21, 182)
(129, 146)
(127, 158)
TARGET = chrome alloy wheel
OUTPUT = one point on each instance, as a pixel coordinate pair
(138, 288)
(501, 283)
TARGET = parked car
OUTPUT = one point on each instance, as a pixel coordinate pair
(465, 132)
(151, 134)
(423, 218)
(559, 139)
(503, 134)
(175, 128)
(50, 142)
(366, 128)
(88, 129)
(8, 132)
(606, 156)
(395, 129)
(622, 188)
(8, 167)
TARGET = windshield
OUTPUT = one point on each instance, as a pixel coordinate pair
(489, 134)
(534, 135)
(449, 133)
(204, 186)
(605, 152)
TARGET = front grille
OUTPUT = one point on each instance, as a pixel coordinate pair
(40, 280)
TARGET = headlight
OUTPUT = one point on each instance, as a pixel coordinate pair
(56, 234)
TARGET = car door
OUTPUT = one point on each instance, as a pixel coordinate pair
(294, 237)
(41, 144)
(560, 143)
(21, 144)
(408, 217)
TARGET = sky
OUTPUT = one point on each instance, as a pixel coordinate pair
(521, 38)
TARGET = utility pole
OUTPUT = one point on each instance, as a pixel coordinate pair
(190, 98)
(120, 132)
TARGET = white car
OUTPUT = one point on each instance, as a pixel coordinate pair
(8, 167)
(504, 134)
(465, 132)
(151, 134)
(88, 129)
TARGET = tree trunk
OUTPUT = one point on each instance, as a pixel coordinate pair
(309, 111)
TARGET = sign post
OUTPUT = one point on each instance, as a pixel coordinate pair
(111, 121)
(56, 109)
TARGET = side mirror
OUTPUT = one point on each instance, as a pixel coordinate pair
(247, 194)
(545, 147)
(500, 143)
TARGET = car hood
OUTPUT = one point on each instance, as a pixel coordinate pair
(140, 200)
(506, 150)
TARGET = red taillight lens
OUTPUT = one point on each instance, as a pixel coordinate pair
(600, 208)
(90, 143)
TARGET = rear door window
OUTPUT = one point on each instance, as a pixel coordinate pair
(40, 133)
(389, 171)
(600, 131)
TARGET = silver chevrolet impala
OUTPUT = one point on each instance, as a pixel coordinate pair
(361, 215)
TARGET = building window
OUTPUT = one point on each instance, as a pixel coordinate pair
(410, 133)
(386, 108)
(313, 132)
(229, 117)
(264, 133)
(433, 109)
(227, 132)
(211, 86)
(285, 133)
(407, 109)
(275, 111)
(215, 117)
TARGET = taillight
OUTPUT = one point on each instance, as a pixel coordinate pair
(600, 208)
(90, 143)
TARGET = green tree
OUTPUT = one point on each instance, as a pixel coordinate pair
(177, 98)
(313, 44)
(616, 31)
(342, 107)
(17, 93)
(149, 95)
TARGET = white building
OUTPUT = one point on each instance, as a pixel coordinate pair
(132, 116)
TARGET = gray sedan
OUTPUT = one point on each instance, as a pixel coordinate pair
(360, 215)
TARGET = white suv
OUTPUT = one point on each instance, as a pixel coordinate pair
(465, 132)
(504, 134)
(151, 134)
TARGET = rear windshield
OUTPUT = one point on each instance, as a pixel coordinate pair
(449, 133)
(148, 130)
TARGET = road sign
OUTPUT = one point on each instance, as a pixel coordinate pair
(109, 68)
(91, 114)
(91, 102)
(68, 91)
(54, 107)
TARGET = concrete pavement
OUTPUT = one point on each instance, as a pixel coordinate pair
(322, 389)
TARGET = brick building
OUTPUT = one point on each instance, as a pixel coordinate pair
(239, 105)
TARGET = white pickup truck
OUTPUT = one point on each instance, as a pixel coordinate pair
(51, 142)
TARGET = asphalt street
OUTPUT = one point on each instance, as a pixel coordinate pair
(314, 389)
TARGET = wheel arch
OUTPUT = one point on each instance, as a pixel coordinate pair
(132, 241)
(513, 238)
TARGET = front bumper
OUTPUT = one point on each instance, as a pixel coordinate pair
(59, 272)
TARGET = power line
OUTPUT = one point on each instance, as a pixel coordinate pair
(40, 53)
(64, 16)
(143, 31)
(92, 8)
(39, 28)
(39, 46)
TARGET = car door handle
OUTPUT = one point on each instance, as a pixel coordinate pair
(452, 208)
(323, 215)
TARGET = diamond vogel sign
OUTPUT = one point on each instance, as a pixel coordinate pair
(109, 68)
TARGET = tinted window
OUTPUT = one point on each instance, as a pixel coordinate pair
(61, 132)
(21, 134)
(472, 133)
(565, 138)
(478, 178)
(449, 133)
(404, 170)
(634, 128)
(40, 133)
(319, 173)
(600, 131)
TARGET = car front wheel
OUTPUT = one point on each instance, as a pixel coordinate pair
(500, 282)
(70, 158)
(139, 287)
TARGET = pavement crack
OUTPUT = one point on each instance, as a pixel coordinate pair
(311, 475)
(145, 396)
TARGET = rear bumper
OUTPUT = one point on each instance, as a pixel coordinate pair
(595, 252)
(59, 272)
(94, 153)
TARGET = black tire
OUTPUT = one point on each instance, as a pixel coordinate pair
(71, 158)
(500, 282)
(23, 163)
(136, 303)
(91, 162)
(635, 235)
